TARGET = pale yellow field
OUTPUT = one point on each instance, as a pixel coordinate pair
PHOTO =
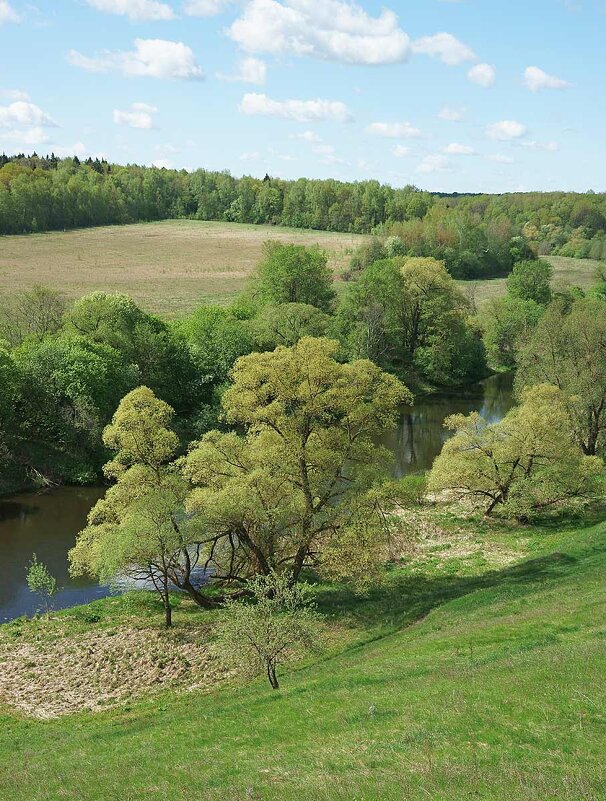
(168, 267)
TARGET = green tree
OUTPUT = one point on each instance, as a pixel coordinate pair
(139, 528)
(294, 274)
(33, 314)
(286, 323)
(568, 349)
(273, 497)
(526, 464)
(277, 625)
(507, 323)
(41, 583)
(531, 280)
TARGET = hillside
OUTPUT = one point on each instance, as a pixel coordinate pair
(470, 676)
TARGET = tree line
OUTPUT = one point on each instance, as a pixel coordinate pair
(475, 235)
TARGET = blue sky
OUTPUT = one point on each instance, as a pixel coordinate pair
(467, 95)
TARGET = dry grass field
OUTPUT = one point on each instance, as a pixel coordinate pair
(171, 267)
(168, 267)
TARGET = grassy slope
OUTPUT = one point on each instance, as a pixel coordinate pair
(495, 692)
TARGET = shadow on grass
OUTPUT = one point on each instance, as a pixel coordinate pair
(406, 599)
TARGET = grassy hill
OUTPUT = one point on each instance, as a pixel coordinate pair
(470, 675)
(171, 267)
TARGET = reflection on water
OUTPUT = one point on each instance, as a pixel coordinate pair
(46, 524)
(421, 434)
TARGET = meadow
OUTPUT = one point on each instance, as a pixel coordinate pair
(475, 672)
(171, 267)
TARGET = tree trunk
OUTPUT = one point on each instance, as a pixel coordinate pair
(169, 613)
(271, 675)
(196, 596)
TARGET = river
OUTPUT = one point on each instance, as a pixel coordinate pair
(47, 523)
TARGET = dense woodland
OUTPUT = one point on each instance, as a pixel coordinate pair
(475, 235)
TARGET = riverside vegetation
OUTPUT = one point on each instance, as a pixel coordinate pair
(242, 449)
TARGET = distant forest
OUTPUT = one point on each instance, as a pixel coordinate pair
(475, 235)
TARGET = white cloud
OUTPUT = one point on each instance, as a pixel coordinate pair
(308, 136)
(135, 9)
(162, 164)
(24, 113)
(536, 80)
(323, 150)
(8, 13)
(401, 151)
(332, 30)
(205, 8)
(444, 46)
(434, 164)
(152, 58)
(482, 74)
(77, 149)
(13, 94)
(451, 114)
(500, 159)
(28, 137)
(455, 149)
(250, 70)
(140, 116)
(506, 130)
(254, 156)
(550, 147)
(394, 130)
(299, 110)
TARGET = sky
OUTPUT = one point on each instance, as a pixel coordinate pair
(449, 95)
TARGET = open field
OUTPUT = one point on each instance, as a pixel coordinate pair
(168, 267)
(464, 677)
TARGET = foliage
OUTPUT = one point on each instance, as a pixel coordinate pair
(40, 582)
(277, 625)
(286, 323)
(524, 465)
(507, 323)
(273, 497)
(531, 280)
(31, 315)
(568, 349)
(294, 274)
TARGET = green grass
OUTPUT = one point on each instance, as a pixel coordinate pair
(464, 684)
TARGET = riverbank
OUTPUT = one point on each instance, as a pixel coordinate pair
(496, 692)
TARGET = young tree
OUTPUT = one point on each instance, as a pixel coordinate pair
(40, 582)
(273, 497)
(527, 463)
(277, 625)
(294, 274)
(531, 280)
(568, 349)
(32, 314)
(507, 323)
(139, 528)
(286, 323)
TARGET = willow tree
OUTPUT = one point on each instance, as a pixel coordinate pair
(525, 464)
(299, 475)
(139, 529)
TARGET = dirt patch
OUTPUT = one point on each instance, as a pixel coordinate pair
(49, 678)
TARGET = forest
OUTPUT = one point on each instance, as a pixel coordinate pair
(477, 236)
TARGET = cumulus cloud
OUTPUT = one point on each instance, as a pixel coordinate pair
(332, 30)
(401, 151)
(152, 58)
(162, 164)
(140, 116)
(205, 8)
(26, 114)
(8, 13)
(251, 156)
(250, 70)
(434, 163)
(446, 47)
(308, 136)
(13, 94)
(483, 74)
(506, 130)
(536, 80)
(394, 130)
(135, 9)
(500, 159)
(451, 114)
(299, 110)
(30, 137)
(455, 149)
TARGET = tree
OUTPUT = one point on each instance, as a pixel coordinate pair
(286, 323)
(40, 582)
(568, 349)
(294, 274)
(531, 280)
(507, 322)
(275, 626)
(526, 464)
(273, 497)
(31, 314)
(139, 528)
